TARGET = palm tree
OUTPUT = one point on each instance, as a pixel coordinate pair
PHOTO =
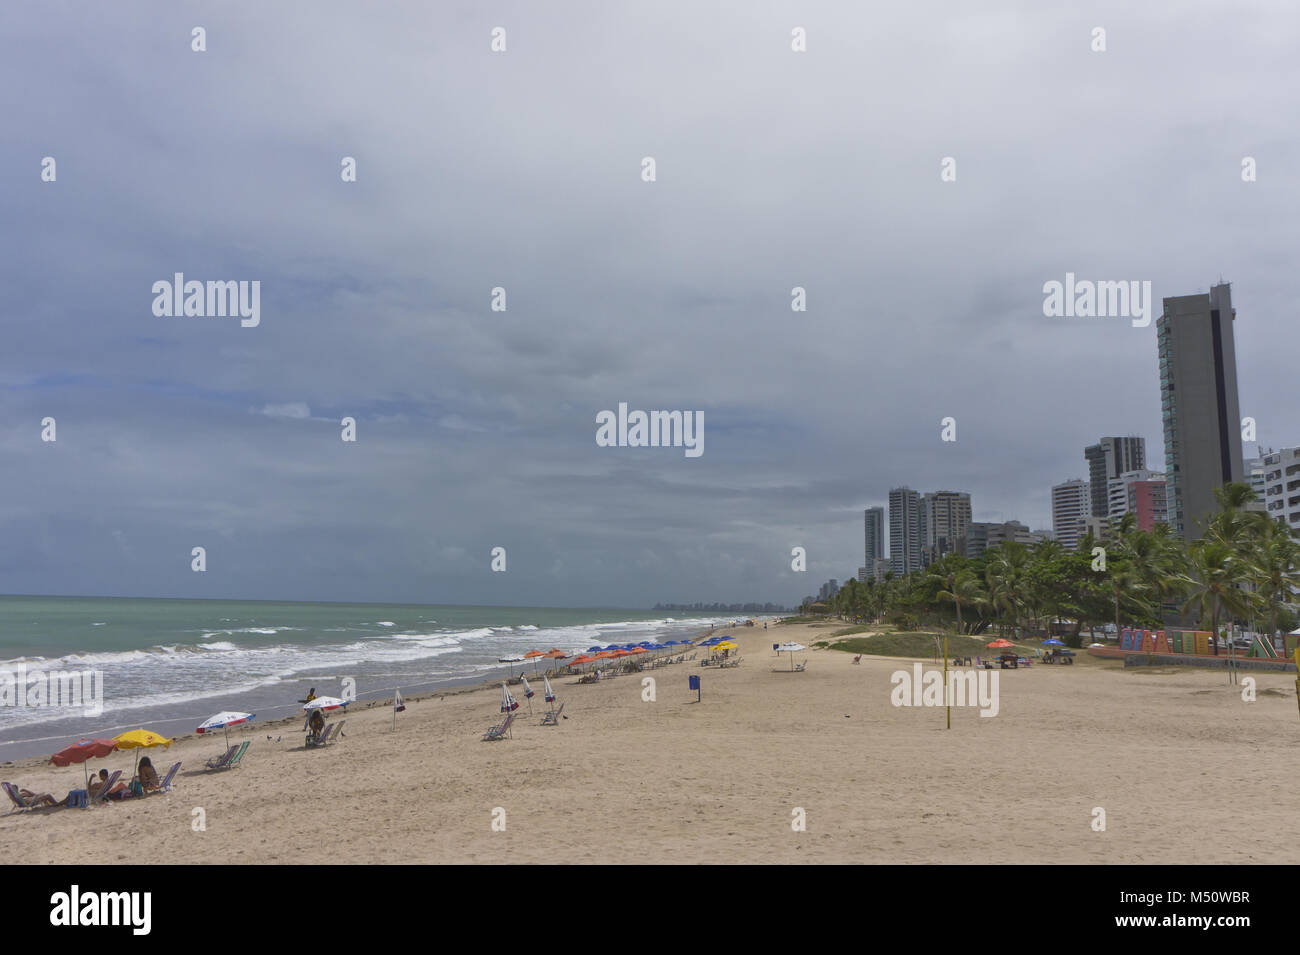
(958, 586)
(1276, 567)
(1216, 569)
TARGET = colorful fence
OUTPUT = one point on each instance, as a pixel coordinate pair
(1133, 640)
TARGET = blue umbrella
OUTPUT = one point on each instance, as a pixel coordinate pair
(1053, 643)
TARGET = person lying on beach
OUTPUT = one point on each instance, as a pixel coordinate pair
(39, 799)
(148, 776)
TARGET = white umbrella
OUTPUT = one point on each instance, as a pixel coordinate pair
(792, 649)
(223, 721)
(512, 661)
(326, 703)
(508, 703)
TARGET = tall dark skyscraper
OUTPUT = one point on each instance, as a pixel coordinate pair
(1109, 458)
(1198, 400)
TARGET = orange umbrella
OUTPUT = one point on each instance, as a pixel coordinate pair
(533, 655)
(1000, 644)
(82, 750)
(638, 650)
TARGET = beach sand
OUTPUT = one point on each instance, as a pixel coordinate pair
(1186, 771)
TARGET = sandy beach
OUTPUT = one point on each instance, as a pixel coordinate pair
(1186, 771)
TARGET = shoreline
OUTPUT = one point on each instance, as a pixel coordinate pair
(625, 779)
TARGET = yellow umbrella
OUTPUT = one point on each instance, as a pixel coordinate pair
(141, 739)
(727, 646)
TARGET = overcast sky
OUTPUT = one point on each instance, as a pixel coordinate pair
(523, 169)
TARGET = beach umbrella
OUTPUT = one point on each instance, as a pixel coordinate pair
(528, 694)
(594, 649)
(534, 655)
(792, 649)
(223, 721)
(326, 703)
(550, 694)
(508, 703)
(578, 661)
(1057, 643)
(1000, 644)
(512, 661)
(82, 750)
(639, 650)
(141, 739)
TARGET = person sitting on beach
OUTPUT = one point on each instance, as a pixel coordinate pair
(97, 785)
(147, 775)
(316, 724)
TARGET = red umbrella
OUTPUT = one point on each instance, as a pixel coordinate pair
(82, 750)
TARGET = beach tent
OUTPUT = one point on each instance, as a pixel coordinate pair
(223, 721)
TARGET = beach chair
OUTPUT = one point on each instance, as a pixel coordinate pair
(323, 738)
(104, 790)
(495, 733)
(22, 804)
(165, 784)
(338, 731)
(219, 762)
(800, 667)
(553, 719)
(858, 658)
(239, 754)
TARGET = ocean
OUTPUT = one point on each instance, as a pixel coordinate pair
(167, 665)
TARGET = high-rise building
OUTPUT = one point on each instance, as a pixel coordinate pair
(1198, 399)
(873, 519)
(1252, 471)
(944, 517)
(1070, 502)
(1121, 497)
(1109, 458)
(1282, 487)
(904, 531)
(980, 536)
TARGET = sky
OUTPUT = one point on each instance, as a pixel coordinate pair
(523, 170)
